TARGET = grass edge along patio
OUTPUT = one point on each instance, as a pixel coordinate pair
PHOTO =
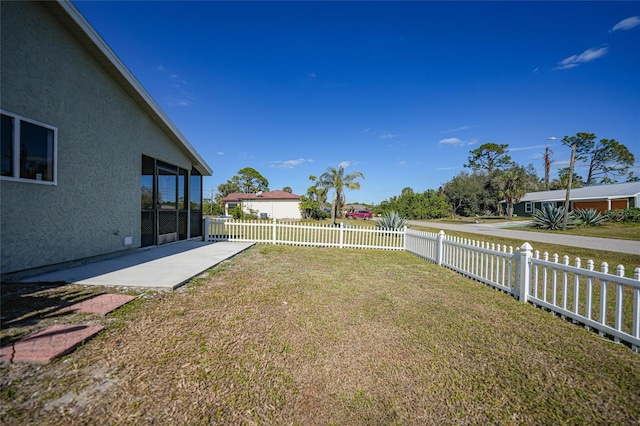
(598, 300)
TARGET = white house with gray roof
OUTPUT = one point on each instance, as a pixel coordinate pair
(91, 165)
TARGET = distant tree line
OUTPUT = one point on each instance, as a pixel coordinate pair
(493, 177)
(411, 205)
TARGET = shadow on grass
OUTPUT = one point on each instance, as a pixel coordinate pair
(25, 306)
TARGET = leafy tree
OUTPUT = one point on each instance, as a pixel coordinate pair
(514, 183)
(312, 204)
(229, 187)
(335, 179)
(287, 189)
(469, 194)
(581, 144)
(251, 181)
(212, 207)
(609, 160)
(426, 205)
(563, 179)
(407, 191)
(489, 157)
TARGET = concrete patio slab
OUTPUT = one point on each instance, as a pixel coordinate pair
(167, 266)
(100, 305)
(50, 343)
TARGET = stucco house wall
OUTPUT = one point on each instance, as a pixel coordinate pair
(279, 209)
(48, 76)
(275, 204)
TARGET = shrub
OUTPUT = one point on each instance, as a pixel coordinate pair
(551, 217)
(632, 214)
(615, 215)
(590, 217)
(391, 221)
(237, 213)
(624, 215)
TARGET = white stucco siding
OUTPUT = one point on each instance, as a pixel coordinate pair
(279, 209)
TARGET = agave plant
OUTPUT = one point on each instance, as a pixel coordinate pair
(551, 217)
(391, 221)
(590, 217)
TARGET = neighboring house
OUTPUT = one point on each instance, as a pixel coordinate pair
(599, 197)
(267, 205)
(91, 166)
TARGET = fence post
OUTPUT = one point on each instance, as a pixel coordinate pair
(440, 248)
(341, 234)
(273, 233)
(404, 235)
(525, 275)
(206, 235)
(636, 311)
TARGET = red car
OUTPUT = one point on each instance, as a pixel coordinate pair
(360, 214)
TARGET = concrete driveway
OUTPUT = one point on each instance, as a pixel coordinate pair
(606, 244)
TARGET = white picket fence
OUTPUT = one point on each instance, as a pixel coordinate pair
(573, 292)
(304, 234)
(608, 303)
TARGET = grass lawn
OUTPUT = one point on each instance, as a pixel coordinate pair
(620, 231)
(291, 335)
(616, 230)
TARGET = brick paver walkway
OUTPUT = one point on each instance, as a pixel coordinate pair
(100, 305)
(49, 343)
(58, 340)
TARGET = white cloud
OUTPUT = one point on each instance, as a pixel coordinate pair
(312, 75)
(160, 68)
(451, 141)
(179, 102)
(459, 129)
(626, 24)
(344, 164)
(388, 135)
(288, 164)
(536, 70)
(586, 56)
(402, 163)
(457, 141)
(220, 153)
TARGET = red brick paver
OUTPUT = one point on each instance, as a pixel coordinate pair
(49, 343)
(58, 340)
(101, 305)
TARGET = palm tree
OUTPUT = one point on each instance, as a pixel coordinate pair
(513, 185)
(335, 179)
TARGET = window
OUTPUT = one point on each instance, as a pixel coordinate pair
(528, 207)
(28, 149)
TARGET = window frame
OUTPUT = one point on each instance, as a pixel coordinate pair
(528, 207)
(17, 120)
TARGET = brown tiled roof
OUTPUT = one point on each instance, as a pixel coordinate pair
(271, 195)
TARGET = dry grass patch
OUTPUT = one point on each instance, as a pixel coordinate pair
(290, 335)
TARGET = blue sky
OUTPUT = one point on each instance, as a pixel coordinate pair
(400, 91)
